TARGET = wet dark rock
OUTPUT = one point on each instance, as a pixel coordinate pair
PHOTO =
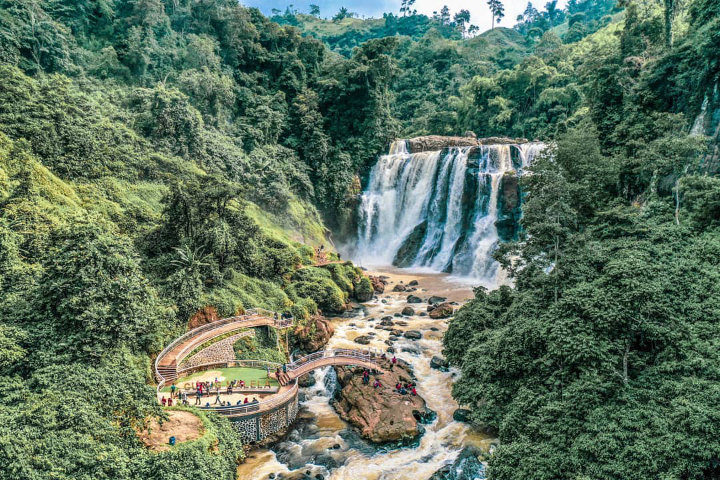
(336, 446)
(414, 349)
(397, 333)
(387, 322)
(467, 466)
(389, 342)
(378, 284)
(435, 299)
(408, 311)
(413, 335)
(414, 299)
(444, 310)
(399, 288)
(422, 314)
(426, 416)
(397, 315)
(362, 340)
(307, 380)
(430, 308)
(461, 415)
(438, 363)
(434, 329)
(402, 323)
(391, 350)
(414, 283)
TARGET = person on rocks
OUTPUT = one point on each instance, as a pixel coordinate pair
(403, 391)
(172, 390)
(169, 403)
(414, 392)
(198, 397)
(239, 402)
(393, 362)
(366, 377)
(246, 400)
(254, 400)
(163, 400)
(185, 399)
(217, 397)
(377, 384)
(398, 386)
(229, 390)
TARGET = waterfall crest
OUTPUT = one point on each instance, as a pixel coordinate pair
(444, 210)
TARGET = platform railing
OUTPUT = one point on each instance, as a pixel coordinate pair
(278, 321)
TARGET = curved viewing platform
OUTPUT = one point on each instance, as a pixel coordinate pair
(227, 386)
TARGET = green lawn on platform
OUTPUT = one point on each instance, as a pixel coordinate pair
(232, 373)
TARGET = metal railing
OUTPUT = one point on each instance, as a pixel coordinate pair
(264, 405)
(369, 356)
(229, 364)
(277, 322)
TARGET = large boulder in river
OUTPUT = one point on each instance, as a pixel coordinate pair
(413, 335)
(408, 311)
(467, 466)
(378, 283)
(362, 340)
(444, 310)
(414, 299)
(399, 288)
(438, 363)
(461, 415)
(382, 415)
(312, 335)
(434, 300)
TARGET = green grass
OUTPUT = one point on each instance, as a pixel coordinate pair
(232, 373)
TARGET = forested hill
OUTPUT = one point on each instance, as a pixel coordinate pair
(603, 360)
(159, 161)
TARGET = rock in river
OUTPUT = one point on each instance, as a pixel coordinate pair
(438, 363)
(382, 415)
(414, 299)
(408, 311)
(444, 310)
(467, 466)
(413, 335)
(362, 340)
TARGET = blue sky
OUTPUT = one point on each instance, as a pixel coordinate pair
(480, 15)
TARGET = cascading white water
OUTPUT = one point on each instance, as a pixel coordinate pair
(440, 209)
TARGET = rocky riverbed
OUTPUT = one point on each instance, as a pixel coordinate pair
(337, 437)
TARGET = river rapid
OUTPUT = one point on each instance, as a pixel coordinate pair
(321, 444)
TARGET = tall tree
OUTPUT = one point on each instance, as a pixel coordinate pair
(497, 9)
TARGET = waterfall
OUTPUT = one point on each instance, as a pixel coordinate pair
(444, 210)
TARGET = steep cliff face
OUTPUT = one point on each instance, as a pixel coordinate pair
(708, 123)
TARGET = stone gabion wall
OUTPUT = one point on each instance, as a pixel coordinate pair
(247, 427)
(268, 423)
(221, 351)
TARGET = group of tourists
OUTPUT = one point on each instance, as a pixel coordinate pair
(225, 403)
(404, 389)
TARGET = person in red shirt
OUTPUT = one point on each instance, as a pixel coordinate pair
(163, 401)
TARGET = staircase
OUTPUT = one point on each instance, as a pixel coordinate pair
(167, 372)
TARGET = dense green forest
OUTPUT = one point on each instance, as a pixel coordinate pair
(161, 158)
(603, 360)
(158, 159)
